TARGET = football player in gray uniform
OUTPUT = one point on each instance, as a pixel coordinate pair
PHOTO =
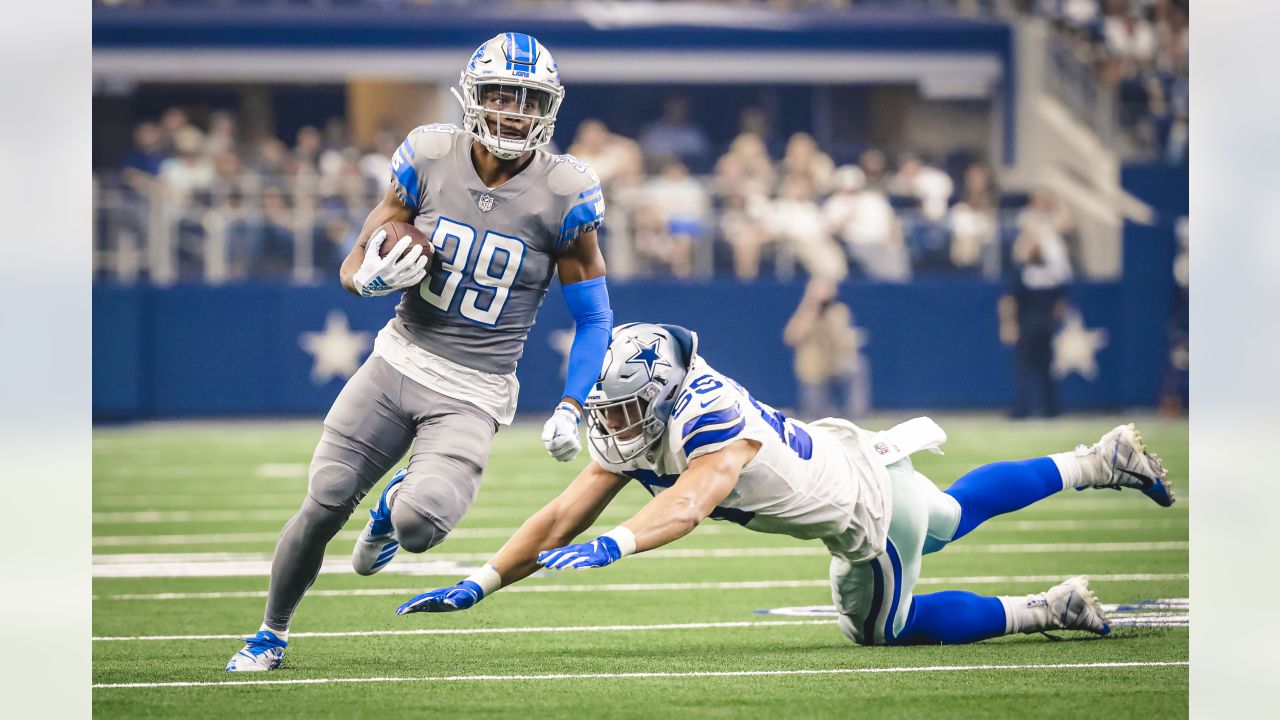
(704, 446)
(503, 217)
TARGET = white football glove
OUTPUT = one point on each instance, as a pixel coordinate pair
(560, 433)
(383, 275)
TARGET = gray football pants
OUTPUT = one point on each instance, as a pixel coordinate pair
(375, 419)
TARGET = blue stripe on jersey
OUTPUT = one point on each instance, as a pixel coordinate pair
(733, 515)
(589, 192)
(705, 421)
(403, 172)
(891, 620)
(877, 597)
(650, 480)
(408, 148)
(583, 218)
(711, 437)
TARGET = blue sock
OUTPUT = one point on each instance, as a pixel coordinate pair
(952, 617)
(1001, 488)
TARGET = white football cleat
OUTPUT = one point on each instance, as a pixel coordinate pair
(377, 543)
(263, 652)
(1125, 462)
(1073, 606)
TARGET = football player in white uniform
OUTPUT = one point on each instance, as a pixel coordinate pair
(704, 447)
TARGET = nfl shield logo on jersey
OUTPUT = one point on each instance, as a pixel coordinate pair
(485, 203)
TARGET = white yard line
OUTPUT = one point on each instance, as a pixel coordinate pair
(494, 631)
(650, 587)
(224, 564)
(505, 532)
(641, 675)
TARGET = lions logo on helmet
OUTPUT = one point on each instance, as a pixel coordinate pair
(510, 94)
(627, 410)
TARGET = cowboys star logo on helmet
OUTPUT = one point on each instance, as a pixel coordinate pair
(649, 356)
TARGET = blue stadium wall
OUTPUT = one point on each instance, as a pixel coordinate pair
(201, 351)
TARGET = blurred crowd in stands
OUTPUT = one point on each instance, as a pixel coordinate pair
(1140, 47)
(237, 208)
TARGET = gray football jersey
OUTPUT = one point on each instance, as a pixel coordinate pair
(496, 248)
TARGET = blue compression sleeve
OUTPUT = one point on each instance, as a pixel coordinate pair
(588, 302)
(952, 617)
(1001, 488)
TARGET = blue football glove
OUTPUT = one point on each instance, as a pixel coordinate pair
(597, 553)
(459, 597)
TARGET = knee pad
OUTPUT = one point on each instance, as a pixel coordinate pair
(944, 515)
(416, 531)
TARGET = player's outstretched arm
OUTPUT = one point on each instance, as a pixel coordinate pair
(557, 523)
(389, 209)
(669, 516)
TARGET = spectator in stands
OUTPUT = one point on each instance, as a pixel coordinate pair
(682, 205)
(875, 168)
(865, 221)
(828, 359)
(270, 158)
(674, 135)
(930, 185)
(261, 244)
(374, 164)
(1130, 39)
(141, 165)
(189, 176)
(746, 167)
(616, 159)
(1030, 313)
(743, 204)
(973, 222)
(229, 176)
(306, 150)
(1175, 385)
(801, 231)
(1044, 211)
(172, 122)
(804, 159)
(222, 134)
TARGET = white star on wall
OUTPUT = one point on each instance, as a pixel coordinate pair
(1075, 348)
(337, 351)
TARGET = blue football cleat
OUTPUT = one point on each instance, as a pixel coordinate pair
(263, 652)
(1126, 463)
(377, 542)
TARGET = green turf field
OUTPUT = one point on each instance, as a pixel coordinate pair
(185, 518)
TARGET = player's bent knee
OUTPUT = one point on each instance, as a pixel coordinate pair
(416, 531)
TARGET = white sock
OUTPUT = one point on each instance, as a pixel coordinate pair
(1075, 468)
(1025, 613)
(282, 634)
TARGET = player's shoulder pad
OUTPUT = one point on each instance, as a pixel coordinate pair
(432, 142)
(571, 177)
(710, 411)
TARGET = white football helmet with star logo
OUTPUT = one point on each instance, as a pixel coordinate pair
(510, 94)
(643, 371)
